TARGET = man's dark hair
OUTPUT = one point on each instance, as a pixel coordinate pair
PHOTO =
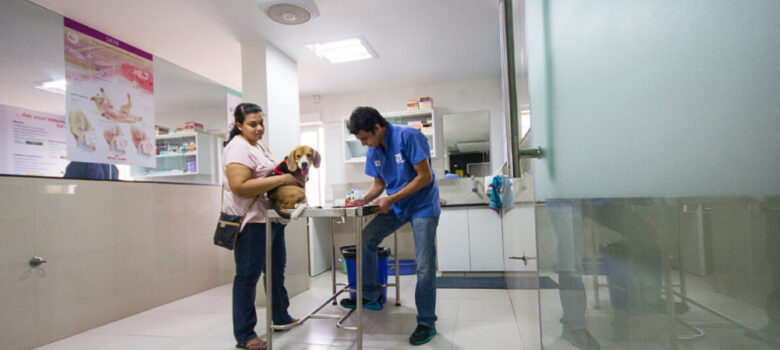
(364, 118)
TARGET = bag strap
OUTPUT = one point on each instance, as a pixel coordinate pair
(222, 203)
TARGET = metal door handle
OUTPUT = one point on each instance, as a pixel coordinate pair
(37, 261)
(524, 258)
(530, 153)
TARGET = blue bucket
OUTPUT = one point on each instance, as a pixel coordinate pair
(383, 253)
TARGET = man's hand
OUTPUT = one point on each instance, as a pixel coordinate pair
(384, 204)
(355, 202)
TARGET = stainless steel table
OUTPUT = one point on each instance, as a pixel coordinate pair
(333, 213)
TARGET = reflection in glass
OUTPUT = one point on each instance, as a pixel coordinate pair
(696, 273)
(467, 144)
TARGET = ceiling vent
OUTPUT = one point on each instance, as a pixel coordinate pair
(289, 11)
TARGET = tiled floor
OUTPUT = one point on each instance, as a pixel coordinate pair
(468, 319)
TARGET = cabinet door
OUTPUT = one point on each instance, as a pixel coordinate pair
(485, 236)
(520, 237)
(452, 240)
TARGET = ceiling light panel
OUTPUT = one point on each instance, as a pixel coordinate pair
(341, 51)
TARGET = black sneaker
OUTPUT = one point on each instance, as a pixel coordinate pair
(422, 334)
(350, 303)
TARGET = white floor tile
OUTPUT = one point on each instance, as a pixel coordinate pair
(135, 323)
(485, 310)
(188, 325)
(83, 341)
(487, 335)
(144, 342)
(468, 319)
(484, 294)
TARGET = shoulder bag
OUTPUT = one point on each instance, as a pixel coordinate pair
(229, 226)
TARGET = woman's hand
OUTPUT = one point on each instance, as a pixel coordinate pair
(290, 179)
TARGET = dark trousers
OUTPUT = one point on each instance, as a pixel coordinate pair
(249, 255)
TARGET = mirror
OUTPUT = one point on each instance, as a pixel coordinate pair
(32, 114)
(180, 97)
(467, 144)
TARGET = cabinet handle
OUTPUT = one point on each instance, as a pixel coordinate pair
(37, 261)
(524, 258)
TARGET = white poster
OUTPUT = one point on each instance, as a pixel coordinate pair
(33, 143)
(109, 99)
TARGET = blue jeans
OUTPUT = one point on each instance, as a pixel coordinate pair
(424, 229)
(566, 217)
(249, 255)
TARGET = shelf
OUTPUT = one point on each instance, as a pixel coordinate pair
(354, 151)
(408, 114)
(166, 174)
(176, 136)
(177, 155)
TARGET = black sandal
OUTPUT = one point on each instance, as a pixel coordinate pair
(254, 346)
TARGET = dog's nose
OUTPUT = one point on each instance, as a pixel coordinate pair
(304, 165)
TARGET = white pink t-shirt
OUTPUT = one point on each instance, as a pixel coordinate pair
(261, 161)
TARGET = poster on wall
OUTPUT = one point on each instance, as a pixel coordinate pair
(110, 99)
(33, 142)
(233, 100)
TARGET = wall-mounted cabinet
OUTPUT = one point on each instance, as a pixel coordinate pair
(181, 158)
(355, 152)
(469, 239)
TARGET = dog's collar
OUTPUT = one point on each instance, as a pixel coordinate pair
(282, 168)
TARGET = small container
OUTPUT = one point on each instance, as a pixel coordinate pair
(412, 105)
(426, 103)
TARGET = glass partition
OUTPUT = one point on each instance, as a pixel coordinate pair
(657, 208)
(32, 109)
(660, 273)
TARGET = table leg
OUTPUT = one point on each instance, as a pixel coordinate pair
(333, 256)
(269, 285)
(359, 277)
(397, 271)
(662, 230)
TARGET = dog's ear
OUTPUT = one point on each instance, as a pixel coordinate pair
(291, 163)
(317, 159)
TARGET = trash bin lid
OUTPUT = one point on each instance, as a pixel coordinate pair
(350, 251)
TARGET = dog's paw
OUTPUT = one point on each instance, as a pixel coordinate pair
(299, 209)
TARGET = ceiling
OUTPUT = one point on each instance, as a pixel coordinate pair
(419, 42)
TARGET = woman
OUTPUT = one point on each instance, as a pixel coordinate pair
(248, 168)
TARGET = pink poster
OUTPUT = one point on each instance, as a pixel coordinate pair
(109, 99)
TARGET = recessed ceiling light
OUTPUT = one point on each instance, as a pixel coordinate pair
(341, 51)
(56, 86)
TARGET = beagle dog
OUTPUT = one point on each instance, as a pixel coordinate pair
(291, 197)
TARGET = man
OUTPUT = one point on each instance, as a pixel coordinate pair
(96, 171)
(399, 160)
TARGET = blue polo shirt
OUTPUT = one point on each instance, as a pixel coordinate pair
(406, 147)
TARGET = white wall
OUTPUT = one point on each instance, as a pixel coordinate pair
(451, 97)
(282, 117)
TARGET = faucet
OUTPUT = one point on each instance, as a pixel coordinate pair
(474, 183)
